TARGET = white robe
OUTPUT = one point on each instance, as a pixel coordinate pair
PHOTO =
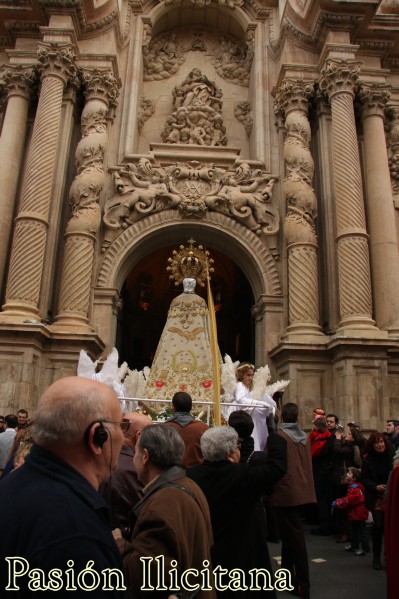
(259, 411)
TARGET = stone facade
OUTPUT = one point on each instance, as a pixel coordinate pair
(267, 130)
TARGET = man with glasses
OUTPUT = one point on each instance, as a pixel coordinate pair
(123, 489)
(56, 533)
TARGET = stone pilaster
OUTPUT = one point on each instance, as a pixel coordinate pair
(339, 81)
(19, 82)
(101, 89)
(56, 65)
(299, 226)
(380, 210)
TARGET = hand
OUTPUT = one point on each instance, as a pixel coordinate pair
(117, 534)
(338, 435)
(381, 488)
(334, 504)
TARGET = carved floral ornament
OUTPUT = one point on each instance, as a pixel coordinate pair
(292, 95)
(57, 60)
(202, 3)
(193, 189)
(374, 98)
(340, 76)
(19, 80)
(100, 84)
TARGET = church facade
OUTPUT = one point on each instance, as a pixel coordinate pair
(267, 130)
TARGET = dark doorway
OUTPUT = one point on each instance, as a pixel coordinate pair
(148, 292)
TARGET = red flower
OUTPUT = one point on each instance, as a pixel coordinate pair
(159, 384)
(206, 384)
(183, 387)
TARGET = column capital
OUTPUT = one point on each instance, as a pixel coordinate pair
(100, 84)
(19, 80)
(374, 98)
(293, 94)
(340, 76)
(57, 60)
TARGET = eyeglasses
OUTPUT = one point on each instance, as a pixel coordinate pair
(124, 424)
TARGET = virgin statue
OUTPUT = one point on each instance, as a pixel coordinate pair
(183, 358)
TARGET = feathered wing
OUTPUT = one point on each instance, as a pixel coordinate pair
(261, 378)
(86, 366)
(130, 383)
(277, 386)
(228, 378)
(109, 371)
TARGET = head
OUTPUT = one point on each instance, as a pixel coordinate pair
(376, 443)
(242, 423)
(10, 421)
(137, 422)
(220, 443)
(158, 448)
(79, 420)
(319, 413)
(353, 426)
(320, 425)
(392, 426)
(2, 424)
(289, 413)
(245, 374)
(353, 474)
(22, 416)
(182, 402)
(331, 421)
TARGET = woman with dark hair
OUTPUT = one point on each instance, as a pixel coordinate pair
(376, 467)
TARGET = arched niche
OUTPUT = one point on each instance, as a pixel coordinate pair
(217, 233)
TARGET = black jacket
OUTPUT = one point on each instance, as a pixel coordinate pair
(54, 519)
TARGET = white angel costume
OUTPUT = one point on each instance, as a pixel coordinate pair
(259, 410)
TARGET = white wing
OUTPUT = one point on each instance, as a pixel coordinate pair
(86, 367)
(277, 386)
(109, 371)
(261, 378)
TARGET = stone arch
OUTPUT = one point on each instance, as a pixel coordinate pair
(217, 231)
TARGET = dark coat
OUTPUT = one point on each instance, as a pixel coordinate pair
(123, 489)
(51, 515)
(172, 522)
(375, 471)
(233, 492)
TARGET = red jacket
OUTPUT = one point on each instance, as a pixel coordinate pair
(317, 442)
(354, 501)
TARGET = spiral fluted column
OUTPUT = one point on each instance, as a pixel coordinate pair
(339, 81)
(380, 210)
(29, 243)
(19, 82)
(101, 90)
(299, 226)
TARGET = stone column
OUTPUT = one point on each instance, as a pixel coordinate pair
(380, 210)
(339, 82)
(56, 63)
(299, 226)
(19, 82)
(82, 229)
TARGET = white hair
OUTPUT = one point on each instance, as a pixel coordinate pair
(217, 442)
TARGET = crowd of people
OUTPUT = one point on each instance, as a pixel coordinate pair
(116, 504)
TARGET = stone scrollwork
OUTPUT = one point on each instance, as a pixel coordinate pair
(19, 80)
(192, 188)
(57, 60)
(340, 76)
(197, 116)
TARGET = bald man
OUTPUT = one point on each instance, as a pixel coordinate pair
(123, 490)
(56, 533)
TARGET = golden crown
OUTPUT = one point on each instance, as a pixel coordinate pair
(190, 262)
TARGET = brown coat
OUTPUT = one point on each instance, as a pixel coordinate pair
(191, 435)
(171, 523)
(296, 487)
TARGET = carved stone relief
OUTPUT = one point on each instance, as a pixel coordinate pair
(197, 117)
(244, 114)
(393, 138)
(146, 110)
(164, 54)
(193, 189)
